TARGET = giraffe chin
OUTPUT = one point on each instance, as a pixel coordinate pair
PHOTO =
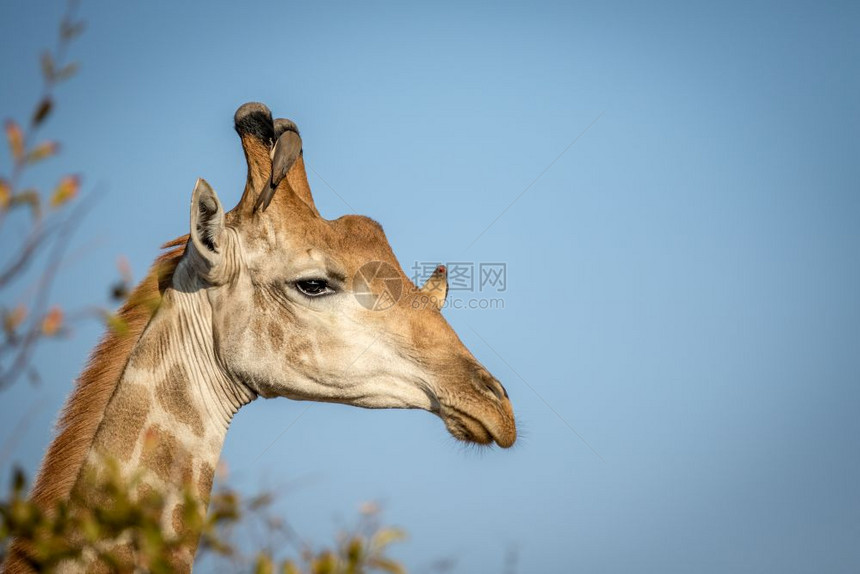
(470, 429)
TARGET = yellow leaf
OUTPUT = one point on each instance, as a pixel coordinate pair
(386, 564)
(66, 190)
(325, 563)
(387, 536)
(355, 550)
(14, 318)
(16, 139)
(5, 194)
(264, 565)
(52, 322)
(42, 151)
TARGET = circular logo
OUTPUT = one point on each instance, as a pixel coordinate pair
(377, 286)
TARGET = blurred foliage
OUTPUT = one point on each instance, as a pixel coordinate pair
(125, 531)
(35, 224)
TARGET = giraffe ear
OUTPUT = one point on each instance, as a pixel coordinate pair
(207, 225)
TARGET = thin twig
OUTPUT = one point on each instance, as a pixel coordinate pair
(60, 244)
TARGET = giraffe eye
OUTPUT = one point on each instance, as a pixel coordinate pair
(314, 287)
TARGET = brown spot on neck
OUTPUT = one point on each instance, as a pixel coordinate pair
(165, 456)
(204, 482)
(123, 422)
(174, 395)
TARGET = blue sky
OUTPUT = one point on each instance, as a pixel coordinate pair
(683, 281)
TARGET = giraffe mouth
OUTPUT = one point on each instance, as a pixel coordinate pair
(468, 428)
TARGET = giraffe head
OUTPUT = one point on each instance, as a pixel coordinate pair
(316, 309)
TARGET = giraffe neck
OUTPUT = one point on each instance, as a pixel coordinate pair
(168, 418)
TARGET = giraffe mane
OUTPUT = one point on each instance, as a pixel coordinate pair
(84, 409)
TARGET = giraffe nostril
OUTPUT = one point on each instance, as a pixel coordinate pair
(504, 390)
(496, 388)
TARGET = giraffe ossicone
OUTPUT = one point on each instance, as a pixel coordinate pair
(261, 301)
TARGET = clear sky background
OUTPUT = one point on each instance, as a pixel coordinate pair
(683, 282)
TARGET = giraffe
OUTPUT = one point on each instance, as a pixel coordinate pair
(266, 300)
